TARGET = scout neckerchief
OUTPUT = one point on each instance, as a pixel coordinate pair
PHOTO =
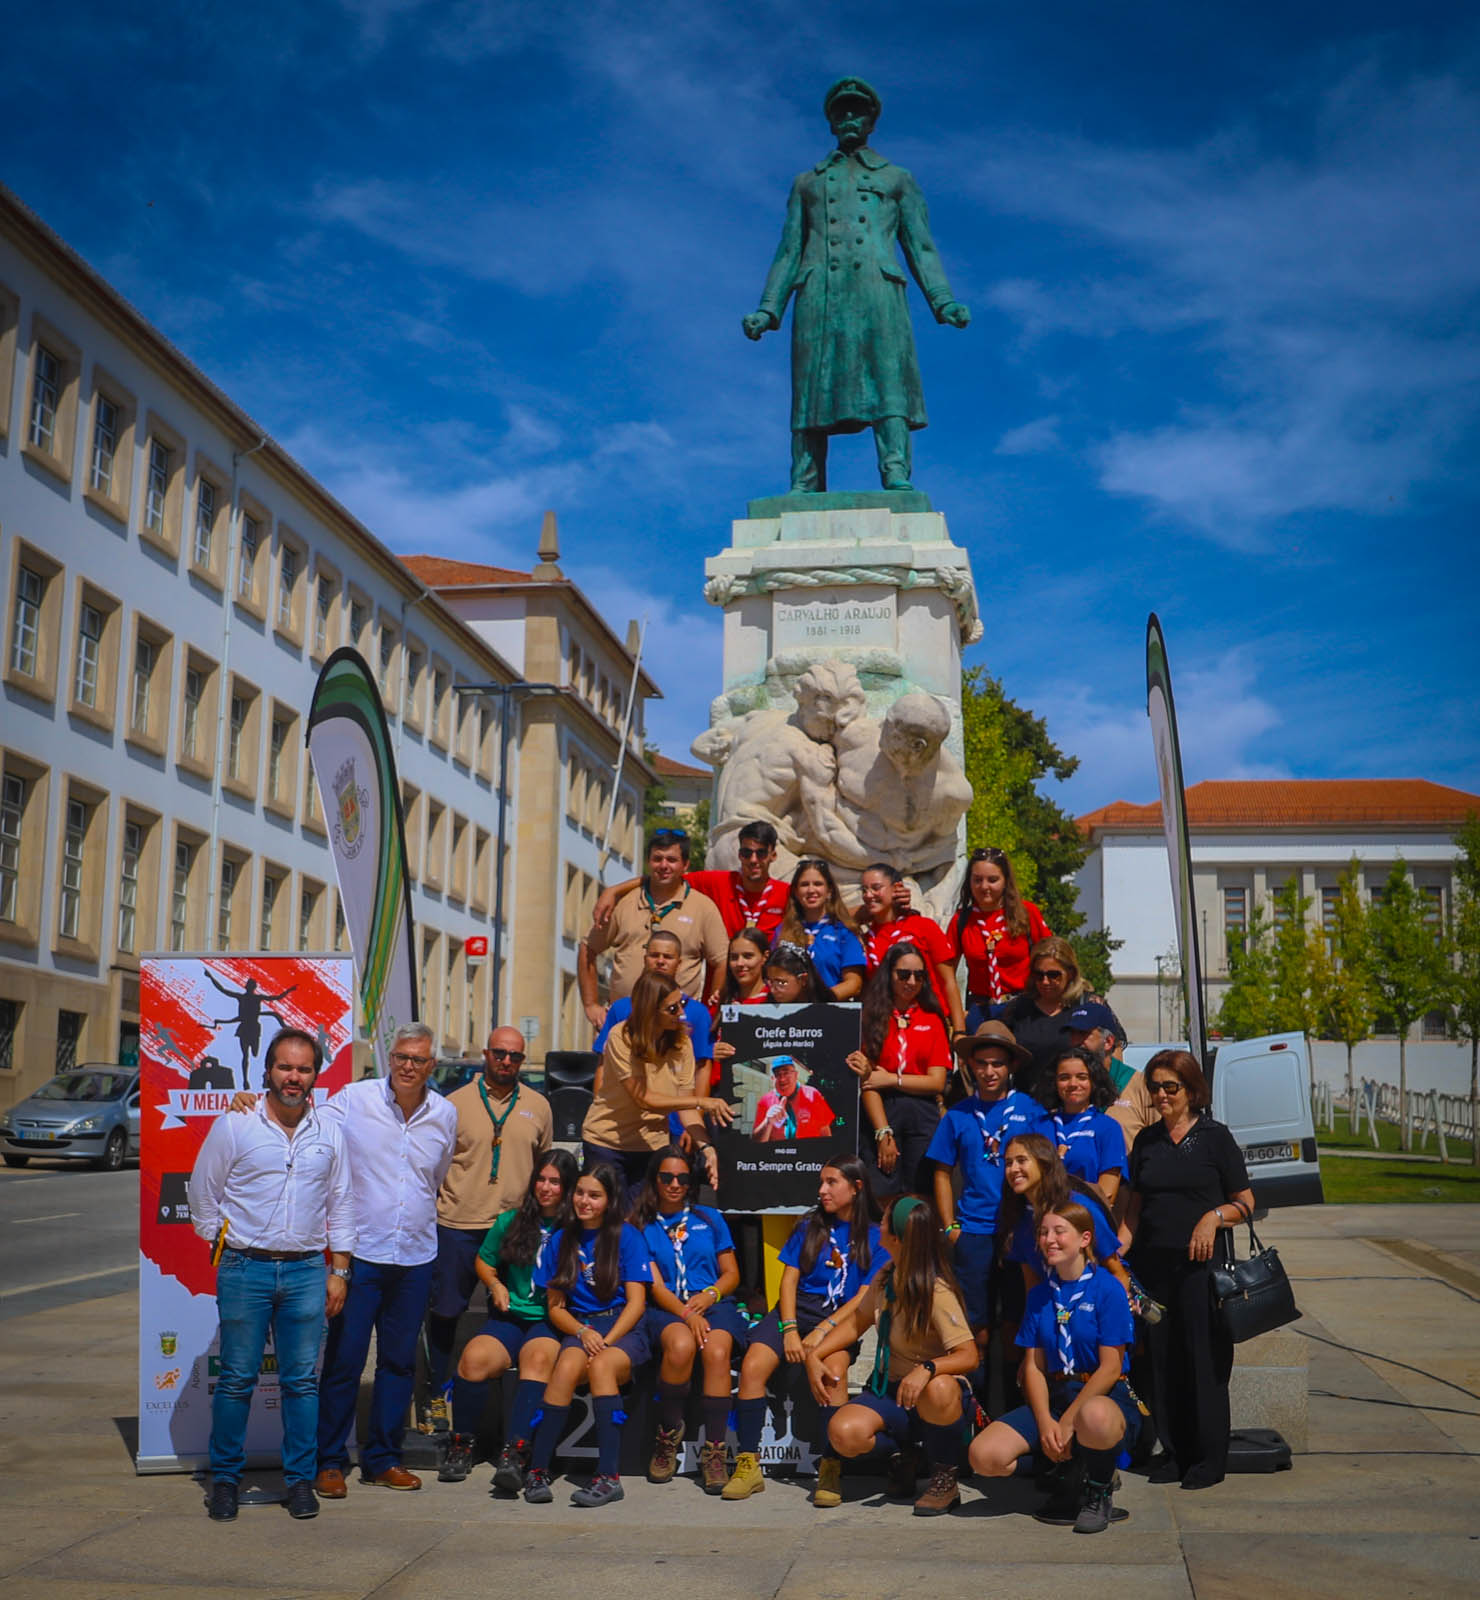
(993, 926)
(654, 915)
(1065, 1299)
(837, 1266)
(991, 1141)
(878, 1379)
(902, 1021)
(677, 1229)
(1064, 1125)
(750, 910)
(498, 1125)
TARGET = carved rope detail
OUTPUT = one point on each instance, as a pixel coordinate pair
(951, 581)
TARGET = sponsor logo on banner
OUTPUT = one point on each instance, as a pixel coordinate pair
(167, 1380)
(168, 1343)
(349, 820)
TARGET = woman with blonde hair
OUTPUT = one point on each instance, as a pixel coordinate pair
(1039, 1017)
(647, 1070)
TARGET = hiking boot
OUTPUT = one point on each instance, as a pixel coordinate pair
(713, 1470)
(904, 1473)
(458, 1462)
(1098, 1510)
(508, 1473)
(601, 1491)
(1065, 1486)
(942, 1493)
(664, 1462)
(537, 1490)
(746, 1479)
(829, 1490)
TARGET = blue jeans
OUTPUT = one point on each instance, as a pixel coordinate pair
(392, 1301)
(251, 1297)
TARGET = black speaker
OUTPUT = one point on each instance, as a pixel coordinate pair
(569, 1075)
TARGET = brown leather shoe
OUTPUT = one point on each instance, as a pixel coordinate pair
(330, 1484)
(394, 1478)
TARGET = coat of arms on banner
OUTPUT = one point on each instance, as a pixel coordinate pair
(349, 825)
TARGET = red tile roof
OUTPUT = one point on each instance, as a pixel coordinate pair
(667, 767)
(440, 572)
(1301, 803)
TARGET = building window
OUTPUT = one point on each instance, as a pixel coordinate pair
(278, 742)
(12, 809)
(69, 1036)
(340, 936)
(359, 620)
(413, 684)
(1436, 1025)
(205, 521)
(157, 487)
(271, 884)
(190, 733)
(180, 894)
(46, 393)
(104, 445)
(1235, 921)
(239, 708)
(128, 884)
(323, 609)
(246, 584)
(1279, 912)
(387, 659)
(10, 1018)
(89, 648)
(143, 676)
(1431, 902)
(223, 904)
(73, 842)
(26, 623)
(1330, 904)
(287, 585)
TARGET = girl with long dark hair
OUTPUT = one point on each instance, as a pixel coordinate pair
(994, 929)
(595, 1272)
(817, 919)
(690, 1312)
(832, 1252)
(925, 1351)
(903, 1062)
(516, 1330)
(1091, 1143)
(793, 979)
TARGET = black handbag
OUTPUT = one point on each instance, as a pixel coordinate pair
(1254, 1296)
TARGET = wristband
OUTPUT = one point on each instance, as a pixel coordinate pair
(788, 1327)
(951, 1227)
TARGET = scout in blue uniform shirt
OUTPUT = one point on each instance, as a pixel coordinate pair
(973, 1135)
(595, 1273)
(817, 920)
(1091, 1143)
(690, 1310)
(831, 1254)
(1075, 1329)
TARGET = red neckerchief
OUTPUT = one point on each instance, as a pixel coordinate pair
(749, 909)
(993, 925)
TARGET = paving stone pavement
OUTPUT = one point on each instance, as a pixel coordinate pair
(1385, 1503)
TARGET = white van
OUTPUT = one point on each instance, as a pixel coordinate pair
(1261, 1092)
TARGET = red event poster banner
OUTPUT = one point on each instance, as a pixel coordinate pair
(205, 1023)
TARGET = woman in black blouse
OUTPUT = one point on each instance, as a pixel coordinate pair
(1188, 1181)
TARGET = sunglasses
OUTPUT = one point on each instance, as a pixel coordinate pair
(673, 1177)
(673, 1010)
(1049, 975)
(757, 853)
(664, 835)
(1168, 1086)
(910, 974)
(494, 1053)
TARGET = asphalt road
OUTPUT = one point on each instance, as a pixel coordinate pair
(67, 1234)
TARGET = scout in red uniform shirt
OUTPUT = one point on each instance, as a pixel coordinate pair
(994, 928)
(885, 918)
(749, 898)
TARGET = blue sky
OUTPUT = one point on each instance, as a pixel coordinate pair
(469, 260)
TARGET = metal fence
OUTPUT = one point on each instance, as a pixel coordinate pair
(1431, 1115)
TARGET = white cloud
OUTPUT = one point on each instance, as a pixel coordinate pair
(1032, 438)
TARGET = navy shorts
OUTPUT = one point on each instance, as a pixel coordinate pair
(810, 1312)
(1022, 1420)
(633, 1345)
(454, 1277)
(514, 1335)
(725, 1317)
(902, 1425)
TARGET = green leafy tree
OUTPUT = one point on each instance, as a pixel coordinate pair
(1295, 952)
(1464, 962)
(1248, 1007)
(1343, 978)
(1408, 968)
(1008, 753)
(698, 830)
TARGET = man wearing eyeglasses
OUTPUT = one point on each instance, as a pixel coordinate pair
(749, 898)
(662, 900)
(503, 1127)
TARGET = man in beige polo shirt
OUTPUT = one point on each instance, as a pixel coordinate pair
(503, 1126)
(662, 901)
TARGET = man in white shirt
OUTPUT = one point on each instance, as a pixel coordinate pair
(274, 1188)
(400, 1135)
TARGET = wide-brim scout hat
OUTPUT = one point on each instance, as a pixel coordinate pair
(997, 1033)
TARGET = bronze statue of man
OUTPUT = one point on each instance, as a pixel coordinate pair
(853, 360)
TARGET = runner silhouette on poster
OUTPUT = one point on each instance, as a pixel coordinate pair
(251, 1005)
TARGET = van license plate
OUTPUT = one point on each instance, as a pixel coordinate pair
(1284, 1151)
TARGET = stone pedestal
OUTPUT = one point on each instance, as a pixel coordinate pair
(1270, 1386)
(868, 581)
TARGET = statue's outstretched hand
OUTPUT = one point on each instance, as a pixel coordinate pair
(757, 323)
(955, 313)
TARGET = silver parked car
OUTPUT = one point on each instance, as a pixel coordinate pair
(88, 1114)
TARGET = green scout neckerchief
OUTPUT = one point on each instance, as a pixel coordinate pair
(498, 1125)
(878, 1381)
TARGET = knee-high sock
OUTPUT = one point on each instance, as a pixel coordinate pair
(527, 1396)
(469, 1395)
(716, 1417)
(942, 1443)
(608, 1434)
(750, 1418)
(1099, 1466)
(671, 1397)
(441, 1337)
(552, 1425)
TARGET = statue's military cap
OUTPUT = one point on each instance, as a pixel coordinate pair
(851, 89)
